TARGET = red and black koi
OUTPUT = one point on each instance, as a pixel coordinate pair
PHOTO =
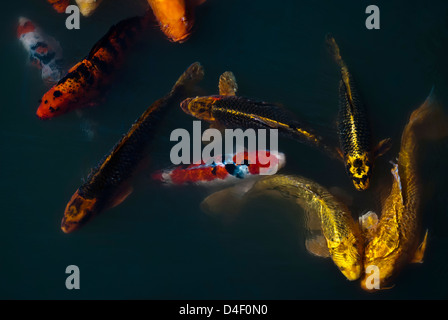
(222, 170)
(85, 81)
(109, 183)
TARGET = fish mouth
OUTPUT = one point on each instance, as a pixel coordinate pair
(41, 114)
(182, 38)
(184, 105)
(352, 274)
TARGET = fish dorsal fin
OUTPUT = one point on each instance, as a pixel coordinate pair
(420, 252)
(397, 180)
(227, 84)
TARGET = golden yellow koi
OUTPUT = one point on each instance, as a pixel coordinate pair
(332, 232)
(353, 127)
(394, 242)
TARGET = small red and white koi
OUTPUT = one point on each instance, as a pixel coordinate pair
(223, 169)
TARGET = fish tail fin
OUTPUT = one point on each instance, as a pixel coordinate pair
(227, 203)
(430, 120)
(157, 175)
(334, 49)
(193, 74)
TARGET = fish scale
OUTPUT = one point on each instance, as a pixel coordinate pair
(354, 136)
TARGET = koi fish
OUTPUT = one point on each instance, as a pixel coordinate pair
(85, 81)
(87, 7)
(353, 128)
(331, 229)
(394, 241)
(108, 184)
(175, 17)
(222, 169)
(231, 111)
(44, 51)
(59, 5)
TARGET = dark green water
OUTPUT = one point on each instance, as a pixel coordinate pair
(158, 244)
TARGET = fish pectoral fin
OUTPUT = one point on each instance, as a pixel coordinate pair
(227, 203)
(227, 84)
(382, 147)
(340, 154)
(317, 245)
(368, 222)
(420, 252)
(121, 195)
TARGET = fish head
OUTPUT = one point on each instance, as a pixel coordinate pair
(77, 212)
(53, 103)
(378, 275)
(359, 169)
(87, 7)
(174, 19)
(199, 107)
(347, 255)
(25, 26)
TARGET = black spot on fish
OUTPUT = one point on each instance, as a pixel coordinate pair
(84, 73)
(51, 109)
(214, 171)
(230, 167)
(39, 44)
(46, 59)
(122, 43)
(100, 64)
(46, 101)
(109, 47)
(357, 163)
(57, 94)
